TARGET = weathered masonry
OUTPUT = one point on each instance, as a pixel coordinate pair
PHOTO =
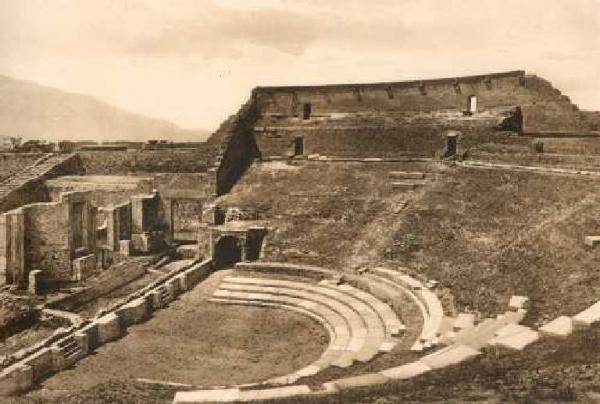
(388, 119)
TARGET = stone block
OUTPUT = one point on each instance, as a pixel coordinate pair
(140, 242)
(42, 363)
(406, 185)
(16, 379)
(511, 329)
(588, 316)
(133, 312)
(35, 282)
(82, 340)
(188, 251)
(449, 356)
(518, 302)
(274, 393)
(516, 341)
(207, 396)
(84, 266)
(592, 241)
(368, 379)
(173, 288)
(125, 247)
(464, 321)
(109, 328)
(406, 371)
(559, 327)
(58, 358)
(184, 284)
(91, 330)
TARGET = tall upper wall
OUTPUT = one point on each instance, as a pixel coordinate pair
(387, 118)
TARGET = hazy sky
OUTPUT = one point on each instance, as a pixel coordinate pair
(195, 61)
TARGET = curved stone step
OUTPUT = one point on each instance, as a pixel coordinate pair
(340, 329)
(375, 327)
(358, 332)
(433, 314)
(387, 316)
(343, 293)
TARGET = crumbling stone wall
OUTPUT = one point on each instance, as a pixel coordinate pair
(28, 185)
(193, 160)
(47, 240)
(238, 145)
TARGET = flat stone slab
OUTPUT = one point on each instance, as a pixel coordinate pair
(277, 392)
(516, 341)
(406, 371)
(206, 396)
(406, 185)
(559, 327)
(464, 321)
(368, 379)
(588, 316)
(511, 329)
(449, 356)
(592, 241)
(517, 302)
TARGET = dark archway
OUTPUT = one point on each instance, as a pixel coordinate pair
(226, 252)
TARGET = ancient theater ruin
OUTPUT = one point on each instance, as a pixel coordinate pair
(324, 238)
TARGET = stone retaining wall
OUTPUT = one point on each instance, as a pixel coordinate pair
(110, 324)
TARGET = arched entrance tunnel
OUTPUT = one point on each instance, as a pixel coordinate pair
(235, 246)
(227, 251)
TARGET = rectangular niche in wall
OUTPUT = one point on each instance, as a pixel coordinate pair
(472, 104)
(306, 110)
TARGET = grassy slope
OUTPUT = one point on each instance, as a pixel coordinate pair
(489, 234)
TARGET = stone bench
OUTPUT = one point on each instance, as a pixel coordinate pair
(363, 316)
(391, 321)
(433, 314)
(336, 354)
(352, 324)
(355, 298)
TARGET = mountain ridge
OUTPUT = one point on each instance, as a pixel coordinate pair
(35, 111)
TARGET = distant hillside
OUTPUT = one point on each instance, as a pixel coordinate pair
(31, 110)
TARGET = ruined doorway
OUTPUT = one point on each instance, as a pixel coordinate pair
(472, 104)
(306, 110)
(227, 252)
(78, 225)
(298, 146)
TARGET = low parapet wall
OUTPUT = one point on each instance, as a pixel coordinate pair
(50, 356)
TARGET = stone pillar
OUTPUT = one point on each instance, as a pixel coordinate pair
(112, 228)
(35, 282)
(15, 262)
(137, 214)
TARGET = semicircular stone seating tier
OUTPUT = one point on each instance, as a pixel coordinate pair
(359, 324)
